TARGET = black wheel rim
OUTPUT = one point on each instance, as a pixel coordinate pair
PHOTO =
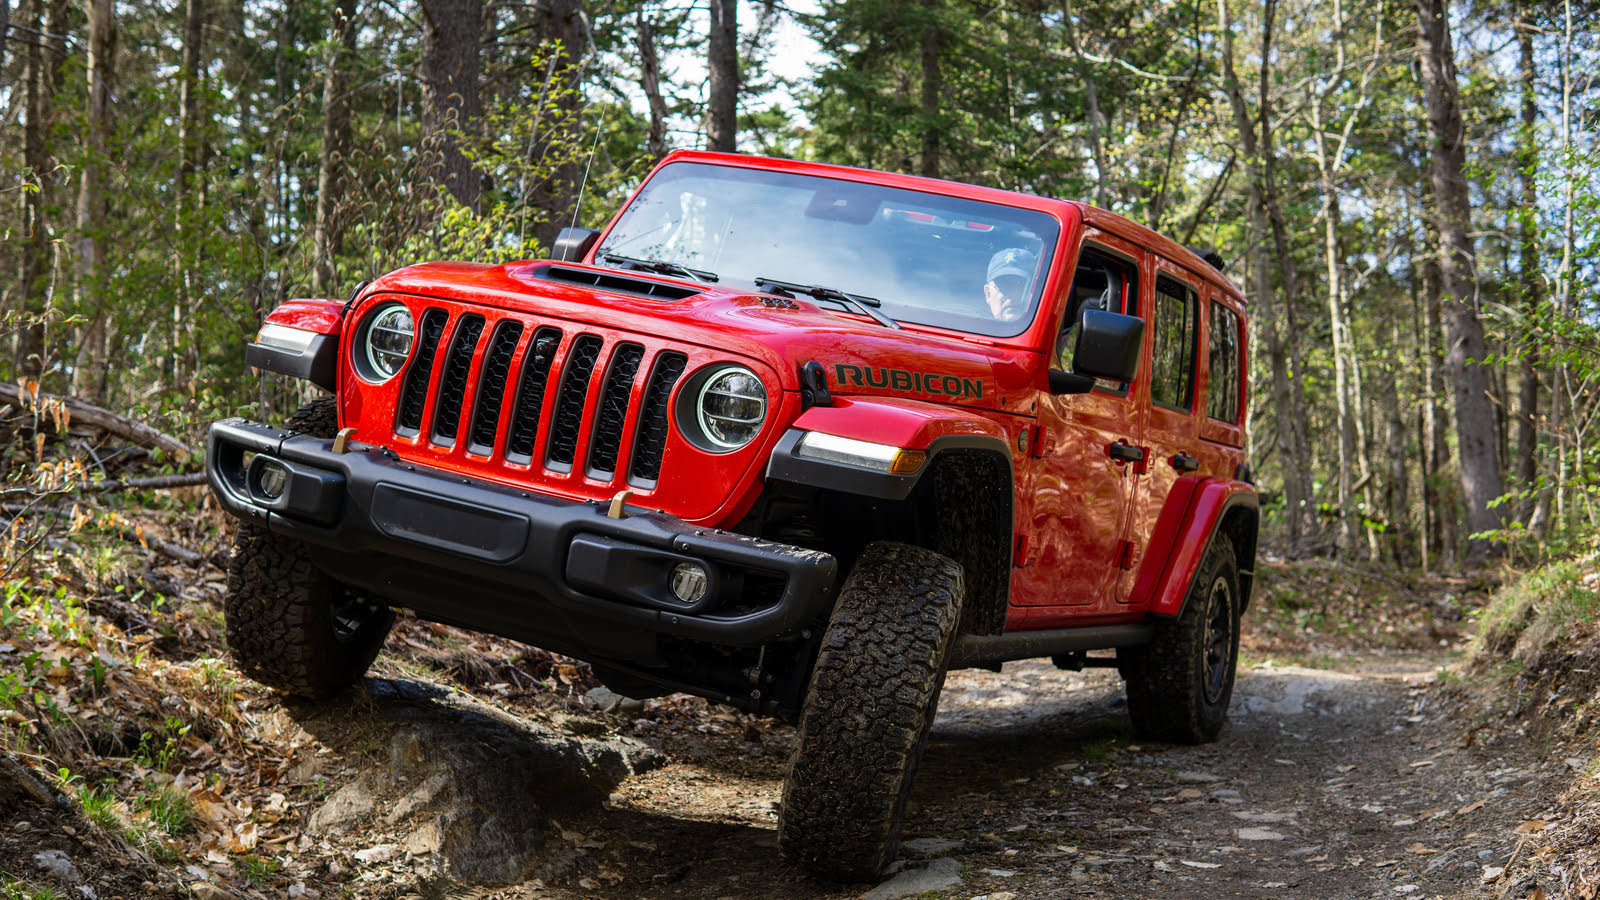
(1218, 647)
(350, 615)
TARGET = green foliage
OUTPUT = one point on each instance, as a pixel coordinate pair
(1539, 607)
(169, 808)
(11, 889)
(258, 869)
(99, 806)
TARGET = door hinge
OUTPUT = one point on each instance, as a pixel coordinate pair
(1125, 556)
(1036, 447)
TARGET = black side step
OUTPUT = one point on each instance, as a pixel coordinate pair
(973, 650)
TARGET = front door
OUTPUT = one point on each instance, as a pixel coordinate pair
(1088, 471)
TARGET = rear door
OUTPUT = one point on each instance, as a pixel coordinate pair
(1173, 323)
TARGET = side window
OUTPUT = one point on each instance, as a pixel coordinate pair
(1222, 401)
(1101, 281)
(1175, 321)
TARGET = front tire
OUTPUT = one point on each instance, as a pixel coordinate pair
(872, 699)
(1180, 685)
(289, 626)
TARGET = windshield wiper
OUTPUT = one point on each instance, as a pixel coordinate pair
(661, 267)
(867, 306)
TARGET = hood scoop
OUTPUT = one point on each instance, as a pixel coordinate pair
(613, 281)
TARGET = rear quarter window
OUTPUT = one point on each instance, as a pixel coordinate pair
(1222, 401)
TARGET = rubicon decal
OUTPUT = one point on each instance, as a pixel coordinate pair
(903, 380)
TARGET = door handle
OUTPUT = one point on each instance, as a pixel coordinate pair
(1125, 452)
(1184, 463)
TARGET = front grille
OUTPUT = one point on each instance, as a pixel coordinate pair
(541, 402)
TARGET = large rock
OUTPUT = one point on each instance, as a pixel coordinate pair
(466, 790)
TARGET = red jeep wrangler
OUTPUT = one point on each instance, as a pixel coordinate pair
(794, 437)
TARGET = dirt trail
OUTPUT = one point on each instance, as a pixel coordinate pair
(1325, 784)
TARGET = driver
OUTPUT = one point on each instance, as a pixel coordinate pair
(1006, 290)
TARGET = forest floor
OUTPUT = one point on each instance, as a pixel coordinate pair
(1366, 755)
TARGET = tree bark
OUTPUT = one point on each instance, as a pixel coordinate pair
(1096, 120)
(1262, 302)
(89, 375)
(650, 82)
(41, 79)
(722, 60)
(190, 143)
(563, 23)
(1481, 479)
(328, 234)
(932, 91)
(451, 75)
(1439, 495)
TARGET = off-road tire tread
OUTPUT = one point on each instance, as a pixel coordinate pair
(873, 696)
(1166, 696)
(278, 605)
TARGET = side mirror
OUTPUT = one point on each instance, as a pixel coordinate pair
(573, 244)
(1108, 347)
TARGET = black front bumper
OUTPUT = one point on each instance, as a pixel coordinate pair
(558, 573)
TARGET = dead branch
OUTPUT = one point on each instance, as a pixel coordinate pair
(103, 419)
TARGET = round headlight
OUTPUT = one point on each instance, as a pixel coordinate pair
(731, 407)
(386, 342)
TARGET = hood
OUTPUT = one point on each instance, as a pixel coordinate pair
(858, 356)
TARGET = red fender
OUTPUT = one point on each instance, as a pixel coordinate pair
(1193, 510)
(316, 316)
(911, 424)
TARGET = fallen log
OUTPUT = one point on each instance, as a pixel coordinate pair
(87, 413)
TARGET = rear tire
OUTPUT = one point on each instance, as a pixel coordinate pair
(872, 699)
(1179, 686)
(289, 626)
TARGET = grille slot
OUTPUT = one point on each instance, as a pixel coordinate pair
(524, 430)
(650, 442)
(492, 387)
(612, 413)
(453, 380)
(414, 391)
(567, 423)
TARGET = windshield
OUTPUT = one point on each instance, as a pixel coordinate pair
(935, 260)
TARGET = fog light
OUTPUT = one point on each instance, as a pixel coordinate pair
(270, 478)
(689, 582)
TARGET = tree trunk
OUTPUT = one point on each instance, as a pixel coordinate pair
(1295, 499)
(41, 79)
(1300, 464)
(722, 59)
(650, 82)
(932, 91)
(1481, 479)
(189, 151)
(89, 375)
(560, 22)
(328, 235)
(450, 100)
(1439, 496)
(1095, 120)
(1397, 507)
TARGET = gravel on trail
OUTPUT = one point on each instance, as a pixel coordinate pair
(1355, 783)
